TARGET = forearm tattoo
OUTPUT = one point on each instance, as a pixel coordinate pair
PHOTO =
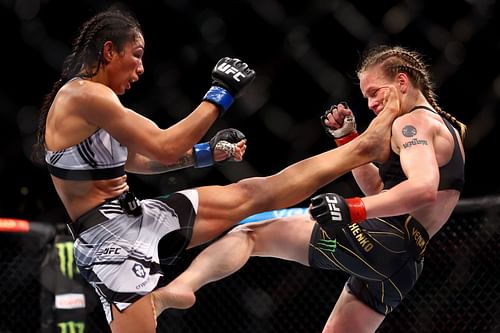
(410, 131)
(185, 161)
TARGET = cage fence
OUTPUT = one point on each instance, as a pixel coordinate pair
(458, 291)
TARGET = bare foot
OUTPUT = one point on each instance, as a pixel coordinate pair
(171, 296)
(377, 136)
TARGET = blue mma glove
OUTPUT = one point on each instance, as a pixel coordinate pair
(230, 77)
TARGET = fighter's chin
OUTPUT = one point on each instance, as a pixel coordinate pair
(121, 91)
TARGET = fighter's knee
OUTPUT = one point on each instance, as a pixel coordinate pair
(253, 191)
(242, 228)
(249, 185)
(245, 233)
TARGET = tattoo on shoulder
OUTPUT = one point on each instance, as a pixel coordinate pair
(414, 142)
(409, 131)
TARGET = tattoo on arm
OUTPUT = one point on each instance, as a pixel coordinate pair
(414, 142)
(410, 131)
(185, 161)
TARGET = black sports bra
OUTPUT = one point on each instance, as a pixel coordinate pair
(451, 175)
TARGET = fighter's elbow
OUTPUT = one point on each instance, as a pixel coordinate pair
(426, 195)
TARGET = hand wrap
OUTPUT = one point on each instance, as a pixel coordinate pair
(346, 132)
(224, 140)
(230, 76)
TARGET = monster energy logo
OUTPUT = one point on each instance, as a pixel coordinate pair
(65, 255)
(71, 327)
(329, 245)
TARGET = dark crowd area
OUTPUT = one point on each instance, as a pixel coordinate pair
(305, 54)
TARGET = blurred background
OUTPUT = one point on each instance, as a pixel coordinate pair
(305, 54)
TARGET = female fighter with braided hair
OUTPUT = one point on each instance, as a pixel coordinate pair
(89, 140)
(379, 239)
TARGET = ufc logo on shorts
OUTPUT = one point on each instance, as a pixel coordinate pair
(228, 69)
(109, 250)
(334, 210)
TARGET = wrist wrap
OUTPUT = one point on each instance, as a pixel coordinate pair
(357, 209)
(345, 139)
(202, 155)
(220, 97)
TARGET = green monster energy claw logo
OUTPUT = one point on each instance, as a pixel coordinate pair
(71, 327)
(329, 245)
(65, 255)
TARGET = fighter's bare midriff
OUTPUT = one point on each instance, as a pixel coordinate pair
(78, 197)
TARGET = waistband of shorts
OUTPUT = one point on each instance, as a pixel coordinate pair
(417, 235)
(96, 215)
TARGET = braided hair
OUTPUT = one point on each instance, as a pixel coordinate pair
(397, 59)
(114, 24)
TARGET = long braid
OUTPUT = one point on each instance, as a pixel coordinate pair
(85, 59)
(400, 60)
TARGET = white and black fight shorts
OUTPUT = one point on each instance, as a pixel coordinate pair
(118, 253)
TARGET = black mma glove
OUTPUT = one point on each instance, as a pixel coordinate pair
(230, 76)
(333, 208)
(224, 139)
(346, 132)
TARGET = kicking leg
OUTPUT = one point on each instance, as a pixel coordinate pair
(220, 207)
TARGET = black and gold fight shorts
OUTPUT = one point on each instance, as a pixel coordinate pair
(384, 257)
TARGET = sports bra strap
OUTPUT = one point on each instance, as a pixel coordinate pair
(422, 107)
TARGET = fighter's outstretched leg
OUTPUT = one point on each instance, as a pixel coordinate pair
(300, 180)
(288, 187)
